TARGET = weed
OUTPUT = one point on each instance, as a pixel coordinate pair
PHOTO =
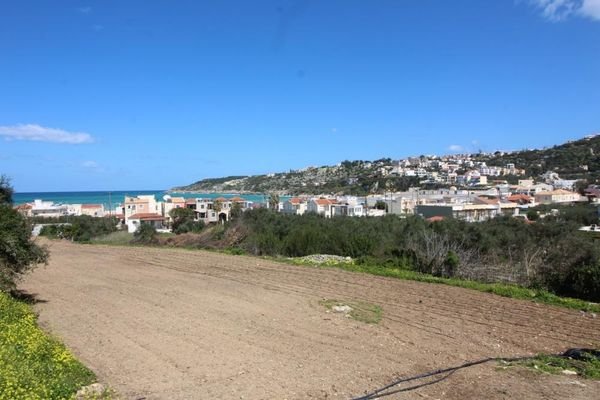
(361, 311)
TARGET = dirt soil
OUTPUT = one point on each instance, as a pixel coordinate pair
(157, 323)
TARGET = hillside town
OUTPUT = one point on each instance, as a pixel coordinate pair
(486, 200)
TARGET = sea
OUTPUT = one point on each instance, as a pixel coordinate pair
(118, 197)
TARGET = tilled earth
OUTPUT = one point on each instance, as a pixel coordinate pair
(158, 323)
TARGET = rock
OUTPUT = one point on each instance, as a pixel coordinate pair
(326, 258)
(95, 390)
(569, 372)
(341, 309)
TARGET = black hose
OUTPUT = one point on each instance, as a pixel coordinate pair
(381, 392)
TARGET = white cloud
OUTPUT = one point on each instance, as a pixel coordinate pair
(455, 147)
(558, 10)
(590, 8)
(85, 10)
(89, 164)
(37, 133)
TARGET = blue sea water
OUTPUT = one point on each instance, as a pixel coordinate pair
(117, 197)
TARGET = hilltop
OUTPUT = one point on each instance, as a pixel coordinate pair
(579, 159)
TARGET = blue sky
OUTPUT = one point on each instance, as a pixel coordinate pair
(123, 95)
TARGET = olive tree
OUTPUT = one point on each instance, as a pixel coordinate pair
(18, 252)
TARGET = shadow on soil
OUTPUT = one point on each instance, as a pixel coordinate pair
(26, 297)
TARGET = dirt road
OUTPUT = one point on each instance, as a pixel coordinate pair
(178, 324)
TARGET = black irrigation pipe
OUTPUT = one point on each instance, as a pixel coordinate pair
(384, 391)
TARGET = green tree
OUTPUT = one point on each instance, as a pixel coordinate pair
(381, 205)
(236, 210)
(274, 201)
(145, 234)
(18, 253)
(181, 215)
(532, 215)
(217, 206)
(6, 190)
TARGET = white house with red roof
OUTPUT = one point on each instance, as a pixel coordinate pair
(322, 207)
(134, 221)
(295, 206)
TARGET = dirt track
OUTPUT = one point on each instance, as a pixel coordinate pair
(178, 324)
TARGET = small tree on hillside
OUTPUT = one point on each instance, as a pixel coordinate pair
(18, 253)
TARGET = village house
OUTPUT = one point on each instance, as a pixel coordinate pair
(93, 210)
(142, 209)
(47, 209)
(143, 204)
(467, 212)
(134, 221)
(295, 206)
(169, 204)
(557, 196)
(321, 206)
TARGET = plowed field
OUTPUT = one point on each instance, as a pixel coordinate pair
(159, 323)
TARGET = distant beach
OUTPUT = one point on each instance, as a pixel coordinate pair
(117, 197)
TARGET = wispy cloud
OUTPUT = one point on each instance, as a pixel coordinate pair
(559, 10)
(455, 147)
(97, 27)
(85, 10)
(89, 164)
(37, 133)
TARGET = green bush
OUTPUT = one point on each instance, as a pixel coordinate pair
(188, 227)
(78, 228)
(549, 254)
(18, 253)
(145, 234)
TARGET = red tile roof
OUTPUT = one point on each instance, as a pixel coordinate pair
(516, 198)
(237, 199)
(436, 218)
(147, 217)
(325, 202)
(220, 199)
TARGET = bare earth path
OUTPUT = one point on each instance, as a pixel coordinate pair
(178, 324)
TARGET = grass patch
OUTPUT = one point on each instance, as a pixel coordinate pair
(588, 368)
(114, 238)
(361, 311)
(33, 365)
(500, 289)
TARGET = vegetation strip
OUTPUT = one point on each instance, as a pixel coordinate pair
(34, 365)
(500, 289)
(587, 368)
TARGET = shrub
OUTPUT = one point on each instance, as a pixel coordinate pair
(18, 253)
(145, 234)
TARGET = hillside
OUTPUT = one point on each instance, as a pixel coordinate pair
(348, 177)
(578, 159)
